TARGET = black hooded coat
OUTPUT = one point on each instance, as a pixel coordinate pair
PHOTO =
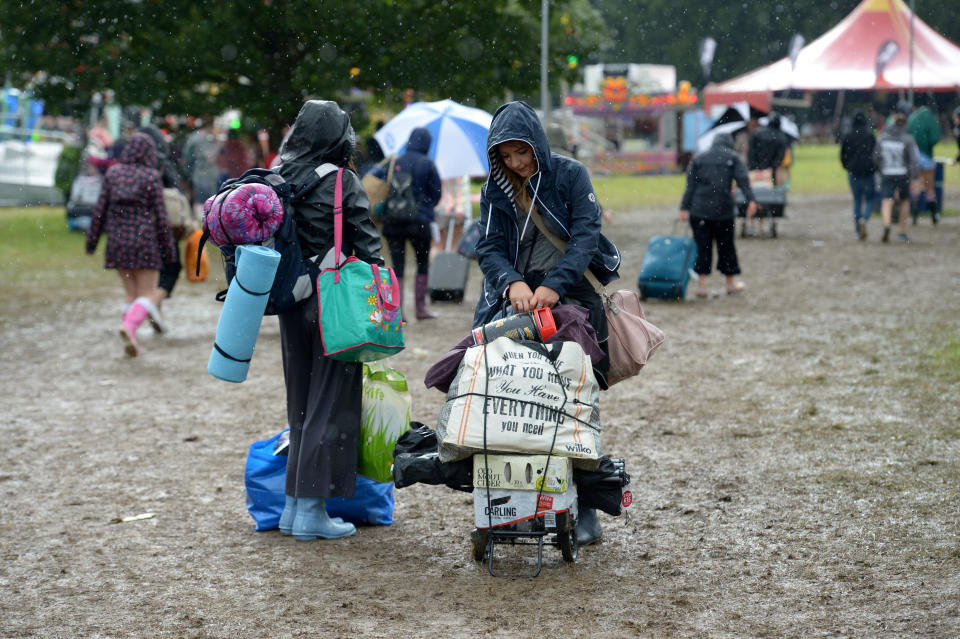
(322, 134)
(323, 395)
(709, 178)
(168, 170)
(856, 148)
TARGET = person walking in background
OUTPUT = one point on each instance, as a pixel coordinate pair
(708, 205)
(370, 156)
(768, 147)
(200, 163)
(235, 157)
(956, 130)
(856, 156)
(521, 263)
(923, 126)
(171, 270)
(895, 154)
(426, 189)
(130, 211)
(323, 395)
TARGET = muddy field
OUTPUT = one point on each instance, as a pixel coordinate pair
(795, 455)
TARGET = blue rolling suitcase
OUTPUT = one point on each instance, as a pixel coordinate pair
(666, 267)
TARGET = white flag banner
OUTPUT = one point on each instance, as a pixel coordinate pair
(796, 45)
(888, 51)
(707, 48)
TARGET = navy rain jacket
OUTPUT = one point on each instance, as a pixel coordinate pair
(426, 180)
(564, 196)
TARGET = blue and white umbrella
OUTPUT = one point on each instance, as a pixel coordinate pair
(459, 145)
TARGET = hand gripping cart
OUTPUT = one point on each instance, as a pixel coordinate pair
(523, 500)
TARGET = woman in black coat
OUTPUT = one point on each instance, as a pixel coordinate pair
(323, 395)
(708, 204)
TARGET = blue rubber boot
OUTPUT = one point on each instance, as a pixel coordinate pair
(288, 515)
(312, 521)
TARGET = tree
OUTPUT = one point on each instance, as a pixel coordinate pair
(265, 57)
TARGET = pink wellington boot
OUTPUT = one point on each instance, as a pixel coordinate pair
(131, 322)
(421, 288)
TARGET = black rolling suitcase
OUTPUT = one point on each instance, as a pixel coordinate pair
(448, 272)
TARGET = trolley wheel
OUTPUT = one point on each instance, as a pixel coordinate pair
(773, 229)
(479, 540)
(643, 293)
(567, 539)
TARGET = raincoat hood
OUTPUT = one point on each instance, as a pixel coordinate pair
(321, 133)
(517, 121)
(420, 140)
(140, 150)
(859, 121)
(723, 141)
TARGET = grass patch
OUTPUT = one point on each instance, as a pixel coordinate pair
(945, 362)
(816, 170)
(43, 261)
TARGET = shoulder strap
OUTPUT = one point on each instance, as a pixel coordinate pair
(337, 221)
(320, 172)
(393, 160)
(561, 246)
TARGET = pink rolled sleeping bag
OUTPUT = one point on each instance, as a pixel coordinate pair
(248, 214)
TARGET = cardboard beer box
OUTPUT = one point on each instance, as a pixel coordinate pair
(522, 472)
(513, 397)
(507, 507)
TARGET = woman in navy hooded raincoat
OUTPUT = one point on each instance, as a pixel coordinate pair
(425, 184)
(519, 263)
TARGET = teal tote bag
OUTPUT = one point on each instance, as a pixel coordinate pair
(359, 303)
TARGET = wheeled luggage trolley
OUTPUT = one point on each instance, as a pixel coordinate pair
(771, 204)
(523, 500)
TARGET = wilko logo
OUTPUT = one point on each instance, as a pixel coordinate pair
(627, 499)
(577, 447)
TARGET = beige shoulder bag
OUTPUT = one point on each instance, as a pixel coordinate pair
(632, 339)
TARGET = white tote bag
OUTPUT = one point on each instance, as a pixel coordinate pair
(511, 397)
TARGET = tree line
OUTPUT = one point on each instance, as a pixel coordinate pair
(267, 56)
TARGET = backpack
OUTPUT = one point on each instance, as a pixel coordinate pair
(275, 229)
(401, 206)
(179, 211)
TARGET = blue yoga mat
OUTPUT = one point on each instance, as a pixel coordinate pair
(242, 313)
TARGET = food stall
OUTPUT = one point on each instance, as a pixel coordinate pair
(634, 111)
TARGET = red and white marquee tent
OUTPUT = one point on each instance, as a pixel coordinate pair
(845, 57)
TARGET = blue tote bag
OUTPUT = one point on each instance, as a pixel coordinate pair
(265, 478)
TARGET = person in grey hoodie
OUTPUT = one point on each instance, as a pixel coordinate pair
(895, 154)
(708, 204)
